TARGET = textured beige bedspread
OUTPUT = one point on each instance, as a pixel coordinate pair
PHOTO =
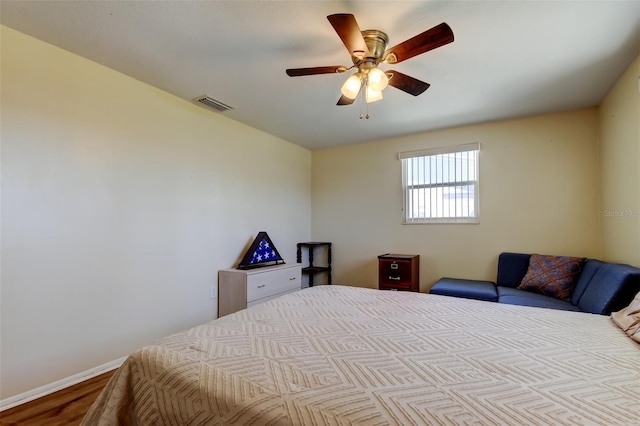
(334, 355)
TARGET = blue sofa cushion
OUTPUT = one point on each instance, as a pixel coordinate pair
(591, 266)
(512, 267)
(610, 289)
(469, 289)
(513, 296)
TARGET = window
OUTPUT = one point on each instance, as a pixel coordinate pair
(441, 184)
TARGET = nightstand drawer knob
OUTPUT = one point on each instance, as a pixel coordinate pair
(394, 278)
(394, 266)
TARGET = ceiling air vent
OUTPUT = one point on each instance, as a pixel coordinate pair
(212, 103)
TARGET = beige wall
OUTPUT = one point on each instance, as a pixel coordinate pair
(538, 193)
(120, 203)
(620, 168)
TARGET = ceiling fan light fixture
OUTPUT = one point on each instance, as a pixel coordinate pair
(373, 95)
(377, 79)
(368, 49)
(352, 86)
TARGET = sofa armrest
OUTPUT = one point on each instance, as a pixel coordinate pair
(612, 288)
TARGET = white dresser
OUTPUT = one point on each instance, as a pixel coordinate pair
(239, 289)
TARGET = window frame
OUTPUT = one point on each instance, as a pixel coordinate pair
(430, 152)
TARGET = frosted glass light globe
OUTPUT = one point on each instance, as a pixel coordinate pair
(351, 87)
(373, 95)
(377, 79)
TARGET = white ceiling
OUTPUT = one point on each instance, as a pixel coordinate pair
(509, 58)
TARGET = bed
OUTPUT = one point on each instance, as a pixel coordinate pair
(337, 355)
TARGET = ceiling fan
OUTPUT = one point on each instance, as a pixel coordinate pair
(368, 50)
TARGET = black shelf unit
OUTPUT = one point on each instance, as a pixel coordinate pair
(311, 270)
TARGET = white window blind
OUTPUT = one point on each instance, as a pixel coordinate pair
(441, 184)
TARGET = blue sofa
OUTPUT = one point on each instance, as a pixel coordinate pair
(602, 287)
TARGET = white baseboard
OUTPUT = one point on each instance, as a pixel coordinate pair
(45, 390)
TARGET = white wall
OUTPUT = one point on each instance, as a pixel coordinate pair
(539, 185)
(120, 203)
(620, 165)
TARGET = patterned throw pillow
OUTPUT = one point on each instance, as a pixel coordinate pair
(552, 275)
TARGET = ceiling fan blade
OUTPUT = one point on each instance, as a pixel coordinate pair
(345, 101)
(297, 72)
(424, 42)
(408, 84)
(349, 32)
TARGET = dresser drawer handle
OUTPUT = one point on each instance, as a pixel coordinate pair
(292, 279)
(260, 286)
(395, 278)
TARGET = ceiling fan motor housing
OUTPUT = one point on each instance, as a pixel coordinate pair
(376, 42)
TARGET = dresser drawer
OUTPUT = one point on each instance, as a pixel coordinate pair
(263, 285)
(406, 286)
(266, 299)
(395, 271)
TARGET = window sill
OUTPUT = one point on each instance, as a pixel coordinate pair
(444, 222)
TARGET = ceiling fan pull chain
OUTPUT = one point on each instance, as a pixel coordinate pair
(362, 101)
(367, 111)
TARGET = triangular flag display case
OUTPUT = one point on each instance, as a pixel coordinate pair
(261, 253)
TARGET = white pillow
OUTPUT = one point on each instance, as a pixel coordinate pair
(628, 319)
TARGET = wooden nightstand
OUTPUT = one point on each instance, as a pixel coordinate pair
(399, 272)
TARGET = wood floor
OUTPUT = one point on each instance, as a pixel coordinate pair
(66, 407)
